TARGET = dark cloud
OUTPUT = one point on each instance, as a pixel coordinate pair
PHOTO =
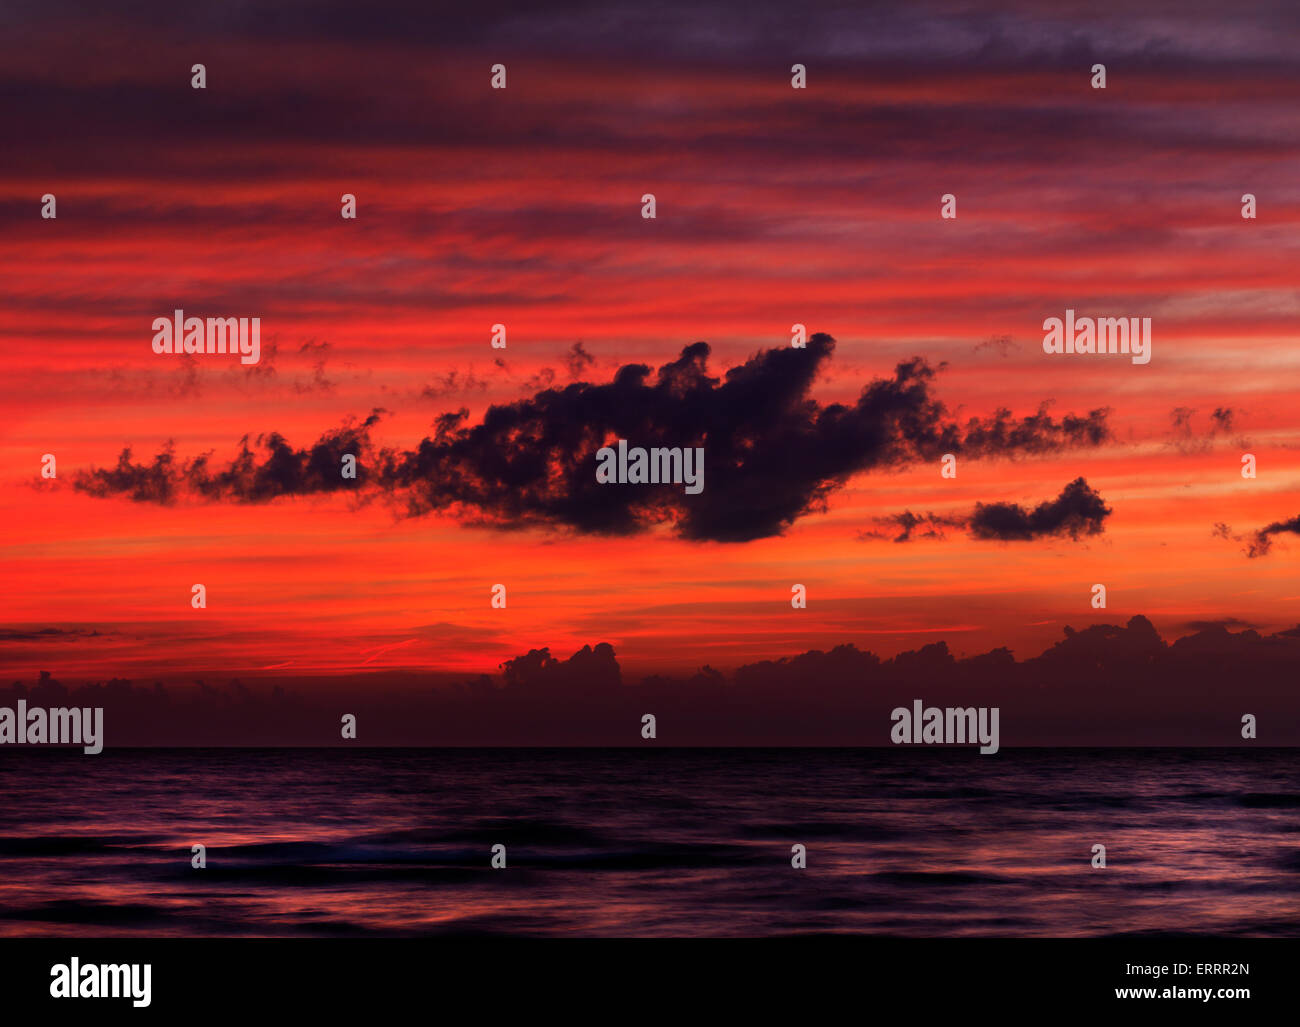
(587, 670)
(256, 475)
(1172, 694)
(1260, 542)
(1217, 624)
(771, 453)
(1077, 511)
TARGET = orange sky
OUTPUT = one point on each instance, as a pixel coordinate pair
(522, 206)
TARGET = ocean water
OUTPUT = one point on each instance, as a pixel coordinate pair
(642, 842)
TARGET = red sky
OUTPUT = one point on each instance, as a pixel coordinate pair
(522, 206)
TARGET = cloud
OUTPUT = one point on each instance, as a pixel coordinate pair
(1003, 344)
(843, 696)
(452, 383)
(318, 353)
(1259, 542)
(772, 454)
(258, 475)
(543, 379)
(907, 524)
(1217, 624)
(1079, 510)
(1223, 418)
(45, 634)
(587, 670)
(577, 360)
(1186, 439)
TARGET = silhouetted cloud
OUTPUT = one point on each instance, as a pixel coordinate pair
(771, 453)
(1217, 623)
(586, 670)
(1259, 542)
(255, 476)
(1171, 693)
(1077, 511)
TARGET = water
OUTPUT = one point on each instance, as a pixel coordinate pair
(686, 842)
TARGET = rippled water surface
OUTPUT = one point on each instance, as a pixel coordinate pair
(640, 842)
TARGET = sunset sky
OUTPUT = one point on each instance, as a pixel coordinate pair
(522, 206)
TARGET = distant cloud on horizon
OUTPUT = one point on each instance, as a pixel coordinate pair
(1110, 684)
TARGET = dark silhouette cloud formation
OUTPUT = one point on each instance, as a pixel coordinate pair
(1170, 693)
(1079, 510)
(1259, 542)
(274, 469)
(771, 453)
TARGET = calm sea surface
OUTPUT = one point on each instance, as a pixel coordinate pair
(640, 842)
